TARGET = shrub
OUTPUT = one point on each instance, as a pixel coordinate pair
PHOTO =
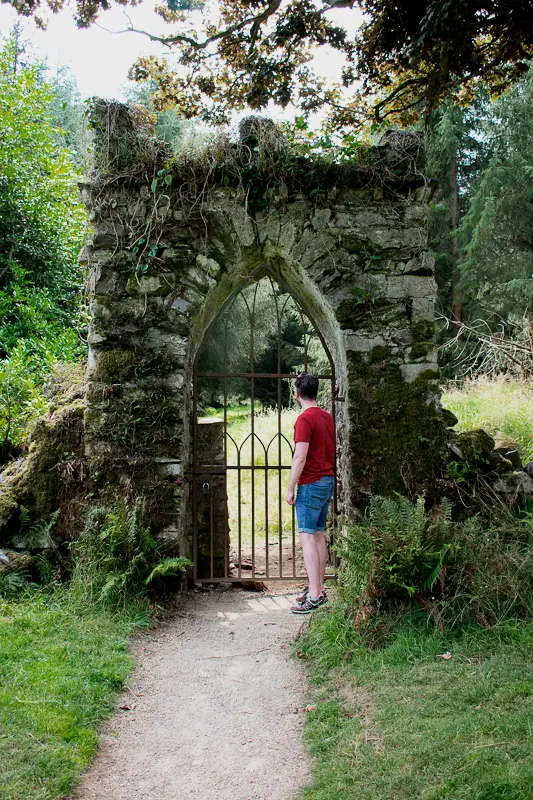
(117, 558)
(399, 554)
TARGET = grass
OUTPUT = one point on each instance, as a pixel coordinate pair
(61, 668)
(266, 432)
(403, 723)
(502, 406)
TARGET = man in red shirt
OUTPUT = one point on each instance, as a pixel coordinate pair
(313, 469)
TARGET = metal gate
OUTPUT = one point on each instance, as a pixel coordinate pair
(243, 529)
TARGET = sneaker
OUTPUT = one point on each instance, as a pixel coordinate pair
(302, 597)
(309, 605)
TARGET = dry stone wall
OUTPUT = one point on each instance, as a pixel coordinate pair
(170, 244)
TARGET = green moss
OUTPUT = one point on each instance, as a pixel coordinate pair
(162, 496)
(147, 421)
(116, 365)
(378, 354)
(475, 445)
(8, 504)
(419, 350)
(422, 331)
(397, 439)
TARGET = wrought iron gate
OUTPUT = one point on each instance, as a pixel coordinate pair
(243, 529)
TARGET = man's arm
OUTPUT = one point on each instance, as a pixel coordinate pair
(298, 463)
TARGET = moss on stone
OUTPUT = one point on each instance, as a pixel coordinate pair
(8, 504)
(419, 350)
(138, 421)
(475, 445)
(49, 477)
(422, 330)
(115, 365)
(397, 438)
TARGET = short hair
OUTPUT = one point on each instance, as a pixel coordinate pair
(307, 386)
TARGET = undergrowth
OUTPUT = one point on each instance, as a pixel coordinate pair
(64, 649)
(421, 663)
(399, 556)
(117, 559)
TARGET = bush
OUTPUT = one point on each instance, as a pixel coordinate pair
(457, 571)
(117, 558)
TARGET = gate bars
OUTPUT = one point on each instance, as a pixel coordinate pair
(212, 445)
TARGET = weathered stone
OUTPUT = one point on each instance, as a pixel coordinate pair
(511, 454)
(354, 254)
(412, 371)
(411, 286)
(473, 445)
(209, 266)
(362, 343)
(11, 560)
(514, 485)
(156, 285)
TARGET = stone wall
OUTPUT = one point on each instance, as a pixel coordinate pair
(173, 239)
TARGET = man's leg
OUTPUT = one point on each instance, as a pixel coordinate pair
(312, 563)
(322, 546)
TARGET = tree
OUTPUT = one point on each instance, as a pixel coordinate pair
(496, 234)
(457, 153)
(42, 224)
(41, 217)
(403, 61)
(68, 115)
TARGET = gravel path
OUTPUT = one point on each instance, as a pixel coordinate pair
(218, 712)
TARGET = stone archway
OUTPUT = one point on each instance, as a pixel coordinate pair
(350, 242)
(240, 468)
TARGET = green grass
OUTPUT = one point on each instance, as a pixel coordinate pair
(502, 406)
(403, 724)
(61, 669)
(266, 433)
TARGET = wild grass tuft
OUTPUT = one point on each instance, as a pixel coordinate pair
(425, 717)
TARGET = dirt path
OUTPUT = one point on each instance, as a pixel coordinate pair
(218, 717)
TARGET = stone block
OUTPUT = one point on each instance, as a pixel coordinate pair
(411, 286)
(105, 281)
(156, 285)
(362, 343)
(208, 265)
(424, 308)
(412, 371)
(321, 219)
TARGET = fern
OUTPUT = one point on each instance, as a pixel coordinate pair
(117, 557)
(398, 549)
(12, 583)
(169, 566)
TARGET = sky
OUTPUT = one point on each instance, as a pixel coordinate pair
(100, 59)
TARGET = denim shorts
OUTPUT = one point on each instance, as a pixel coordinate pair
(312, 503)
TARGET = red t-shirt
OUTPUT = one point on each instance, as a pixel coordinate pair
(314, 425)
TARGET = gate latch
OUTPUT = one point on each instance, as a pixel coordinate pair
(205, 487)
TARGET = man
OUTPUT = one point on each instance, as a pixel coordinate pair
(312, 470)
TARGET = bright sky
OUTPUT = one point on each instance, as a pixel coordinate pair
(100, 60)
